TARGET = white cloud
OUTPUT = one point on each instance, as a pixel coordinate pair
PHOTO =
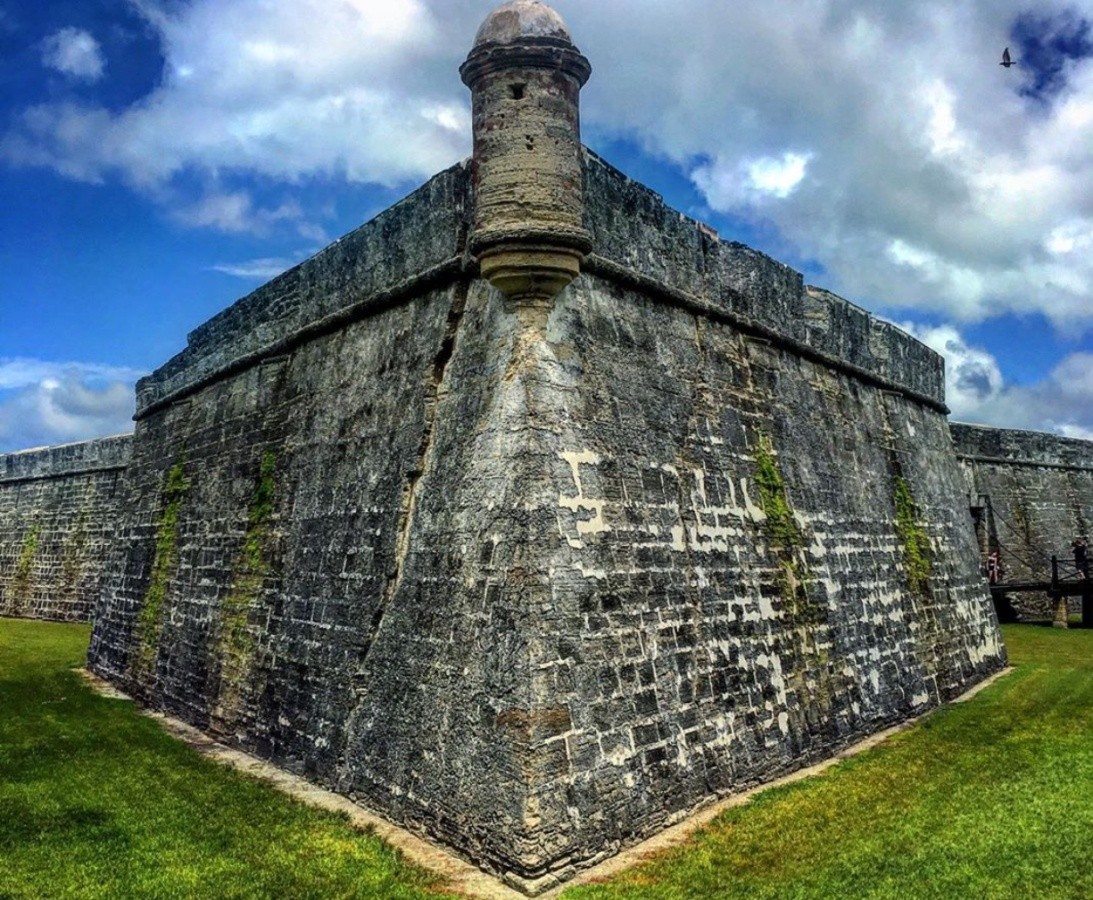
(972, 376)
(20, 372)
(942, 126)
(1073, 237)
(1076, 431)
(919, 140)
(234, 213)
(976, 391)
(44, 402)
(261, 269)
(729, 184)
(778, 177)
(357, 89)
(940, 276)
(74, 52)
(881, 139)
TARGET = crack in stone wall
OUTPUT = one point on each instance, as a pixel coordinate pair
(435, 395)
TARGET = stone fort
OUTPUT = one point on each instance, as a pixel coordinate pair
(531, 514)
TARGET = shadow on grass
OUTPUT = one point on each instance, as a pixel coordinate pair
(97, 801)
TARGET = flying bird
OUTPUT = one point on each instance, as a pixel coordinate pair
(1006, 61)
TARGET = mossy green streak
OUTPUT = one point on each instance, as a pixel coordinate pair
(784, 533)
(23, 581)
(780, 524)
(917, 552)
(74, 557)
(235, 645)
(163, 566)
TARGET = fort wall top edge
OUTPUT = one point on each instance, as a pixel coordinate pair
(632, 226)
(636, 238)
(377, 263)
(102, 454)
(983, 443)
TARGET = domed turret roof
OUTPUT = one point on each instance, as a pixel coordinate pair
(519, 19)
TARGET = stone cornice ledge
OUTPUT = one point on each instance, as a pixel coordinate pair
(109, 454)
(440, 276)
(613, 271)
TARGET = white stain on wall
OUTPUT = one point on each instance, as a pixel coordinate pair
(595, 524)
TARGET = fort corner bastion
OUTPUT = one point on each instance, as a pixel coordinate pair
(532, 515)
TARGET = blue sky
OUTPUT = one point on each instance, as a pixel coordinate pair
(161, 158)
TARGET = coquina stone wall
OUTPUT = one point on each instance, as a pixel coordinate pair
(1034, 494)
(540, 582)
(58, 514)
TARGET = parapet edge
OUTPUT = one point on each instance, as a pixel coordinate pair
(423, 237)
(358, 271)
(634, 229)
(98, 455)
(986, 443)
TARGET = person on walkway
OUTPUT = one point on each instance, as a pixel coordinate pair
(1081, 557)
(994, 568)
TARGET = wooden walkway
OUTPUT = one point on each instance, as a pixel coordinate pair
(1058, 589)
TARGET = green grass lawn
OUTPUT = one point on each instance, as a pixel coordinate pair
(991, 798)
(97, 801)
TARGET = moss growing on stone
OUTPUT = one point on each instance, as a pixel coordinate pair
(22, 579)
(782, 530)
(917, 552)
(74, 558)
(235, 643)
(163, 566)
(261, 508)
(808, 678)
(780, 524)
